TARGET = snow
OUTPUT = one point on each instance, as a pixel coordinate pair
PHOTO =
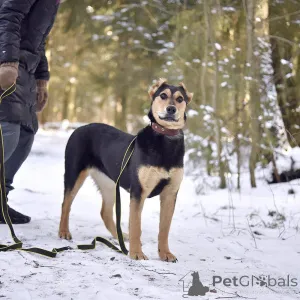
(222, 233)
(218, 46)
(90, 9)
(162, 51)
(170, 45)
(148, 36)
(192, 113)
(197, 60)
(284, 61)
(287, 161)
(103, 18)
(228, 8)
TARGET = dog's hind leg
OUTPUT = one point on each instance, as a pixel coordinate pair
(71, 191)
(107, 188)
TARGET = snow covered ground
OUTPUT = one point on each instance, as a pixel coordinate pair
(222, 234)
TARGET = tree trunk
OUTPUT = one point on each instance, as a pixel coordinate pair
(215, 100)
(288, 95)
(252, 88)
(237, 135)
(66, 99)
(121, 112)
(203, 67)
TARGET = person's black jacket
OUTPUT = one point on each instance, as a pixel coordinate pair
(24, 27)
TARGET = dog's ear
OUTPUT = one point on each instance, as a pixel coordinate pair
(189, 95)
(156, 86)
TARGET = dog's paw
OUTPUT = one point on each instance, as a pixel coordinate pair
(167, 256)
(65, 234)
(138, 255)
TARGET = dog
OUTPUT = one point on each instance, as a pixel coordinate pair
(155, 168)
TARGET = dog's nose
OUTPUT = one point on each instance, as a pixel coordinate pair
(171, 110)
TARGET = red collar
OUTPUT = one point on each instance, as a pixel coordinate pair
(159, 129)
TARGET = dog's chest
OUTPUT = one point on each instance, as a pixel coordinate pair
(154, 179)
(149, 176)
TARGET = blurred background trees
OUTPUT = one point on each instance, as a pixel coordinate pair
(239, 57)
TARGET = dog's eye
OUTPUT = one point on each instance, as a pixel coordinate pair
(179, 99)
(163, 96)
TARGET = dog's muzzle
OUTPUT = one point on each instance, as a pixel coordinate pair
(170, 114)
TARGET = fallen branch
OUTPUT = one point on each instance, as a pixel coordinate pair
(253, 236)
(160, 273)
(235, 295)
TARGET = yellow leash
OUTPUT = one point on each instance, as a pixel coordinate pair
(8, 92)
(129, 150)
(4, 208)
(126, 159)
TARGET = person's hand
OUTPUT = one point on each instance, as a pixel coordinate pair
(8, 74)
(42, 94)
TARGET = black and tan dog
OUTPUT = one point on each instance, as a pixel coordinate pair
(156, 167)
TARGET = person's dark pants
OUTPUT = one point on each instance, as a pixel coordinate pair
(17, 141)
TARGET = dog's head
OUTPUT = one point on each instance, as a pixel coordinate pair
(169, 104)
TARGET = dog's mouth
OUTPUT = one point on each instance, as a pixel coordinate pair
(168, 117)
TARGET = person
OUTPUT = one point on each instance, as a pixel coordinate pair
(24, 27)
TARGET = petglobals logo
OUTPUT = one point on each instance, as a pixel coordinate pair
(252, 281)
(194, 286)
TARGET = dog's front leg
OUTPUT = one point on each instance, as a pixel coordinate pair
(148, 178)
(167, 207)
(135, 231)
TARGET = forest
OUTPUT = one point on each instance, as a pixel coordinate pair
(239, 57)
(236, 223)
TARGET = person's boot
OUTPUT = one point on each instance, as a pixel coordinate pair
(15, 217)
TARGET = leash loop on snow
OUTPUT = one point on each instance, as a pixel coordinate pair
(18, 245)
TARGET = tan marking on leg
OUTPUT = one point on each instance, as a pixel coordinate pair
(167, 206)
(66, 206)
(149, 177)
(135, 232)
